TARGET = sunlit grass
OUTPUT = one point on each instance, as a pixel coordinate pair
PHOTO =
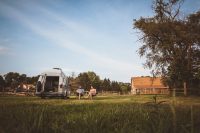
(102, 114)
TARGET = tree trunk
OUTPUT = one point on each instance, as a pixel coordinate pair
(189, 69)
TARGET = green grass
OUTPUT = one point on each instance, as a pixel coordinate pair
(123, 114)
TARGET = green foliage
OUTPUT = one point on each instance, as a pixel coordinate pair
(22, 78)
(115, 86)
(94, 79)
(2, 83)
(171, 43)
(13, 79)
(106, 85)
(125, 88)
(32, 80)
(84, 81)
(73, 83)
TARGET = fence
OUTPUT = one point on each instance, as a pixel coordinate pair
(184, 92)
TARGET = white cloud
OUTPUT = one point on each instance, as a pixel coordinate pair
(4, 50)
(61, 38)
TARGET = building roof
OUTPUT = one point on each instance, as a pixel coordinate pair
(147, 82)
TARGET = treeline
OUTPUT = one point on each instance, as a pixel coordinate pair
(86, 79)
(12, 80)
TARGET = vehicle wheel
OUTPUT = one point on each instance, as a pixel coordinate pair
(65, 97)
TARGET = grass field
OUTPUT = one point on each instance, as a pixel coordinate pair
(107, 114)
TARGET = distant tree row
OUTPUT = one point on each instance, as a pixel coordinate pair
(85, 79)
(88, 79)
(14, 79)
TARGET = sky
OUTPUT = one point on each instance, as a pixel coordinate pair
(75, 35)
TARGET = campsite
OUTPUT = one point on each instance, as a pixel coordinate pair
(100, 66)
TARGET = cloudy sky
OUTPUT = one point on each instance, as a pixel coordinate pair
(75, 35)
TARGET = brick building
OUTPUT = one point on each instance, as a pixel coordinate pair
(148, 85)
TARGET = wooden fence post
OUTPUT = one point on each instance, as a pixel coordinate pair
(174, 92)
(185, 88)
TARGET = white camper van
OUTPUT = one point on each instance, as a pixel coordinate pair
(53, 83)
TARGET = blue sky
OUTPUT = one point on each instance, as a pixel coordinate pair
(75, 35)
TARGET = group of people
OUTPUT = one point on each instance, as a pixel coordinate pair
(80, 92)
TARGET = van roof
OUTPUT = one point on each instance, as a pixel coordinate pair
(53, 72)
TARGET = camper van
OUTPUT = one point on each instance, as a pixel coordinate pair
(53, 83)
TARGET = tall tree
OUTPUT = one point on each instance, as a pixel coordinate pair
(12, 79)
(115, 86)
(106, 85)
(194, 32)
(169, 43)
(88, 79)
(94, 79)
(125, 87)
(84, 80)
